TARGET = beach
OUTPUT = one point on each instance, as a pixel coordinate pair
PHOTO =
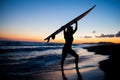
(109, 66)
(87, 74)
(41, 61)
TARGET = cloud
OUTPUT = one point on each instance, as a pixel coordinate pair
(108, 35)
(105, 35)
(87, 37)
(118, 34)
(94, 31)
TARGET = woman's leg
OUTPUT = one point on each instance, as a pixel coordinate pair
(64, 54)
(73, 53)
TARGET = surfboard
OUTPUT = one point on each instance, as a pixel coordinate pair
(68, 24)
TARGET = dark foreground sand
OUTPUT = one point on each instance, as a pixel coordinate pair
(87, 74)
(90, 73)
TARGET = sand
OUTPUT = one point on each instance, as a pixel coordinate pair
(89, 73)
(92, 73)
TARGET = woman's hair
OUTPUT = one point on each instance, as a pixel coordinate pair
(70, 29)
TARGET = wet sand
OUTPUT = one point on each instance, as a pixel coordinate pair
(89, 73)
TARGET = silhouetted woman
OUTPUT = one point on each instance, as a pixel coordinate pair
(68, 36)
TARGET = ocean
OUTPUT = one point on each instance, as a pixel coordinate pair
(24, 58)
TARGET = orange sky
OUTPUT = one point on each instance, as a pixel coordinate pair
(92, 40)
(58, 39)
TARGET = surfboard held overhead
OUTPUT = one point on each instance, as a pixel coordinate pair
(68, 24)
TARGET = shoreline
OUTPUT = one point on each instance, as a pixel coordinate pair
(110, 65)
(89, 70)
(90, 73)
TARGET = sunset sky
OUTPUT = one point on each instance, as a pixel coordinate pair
(34, 20)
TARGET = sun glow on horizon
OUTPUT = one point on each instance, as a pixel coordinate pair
(91, 40)
(21, 37)
(59, 40)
